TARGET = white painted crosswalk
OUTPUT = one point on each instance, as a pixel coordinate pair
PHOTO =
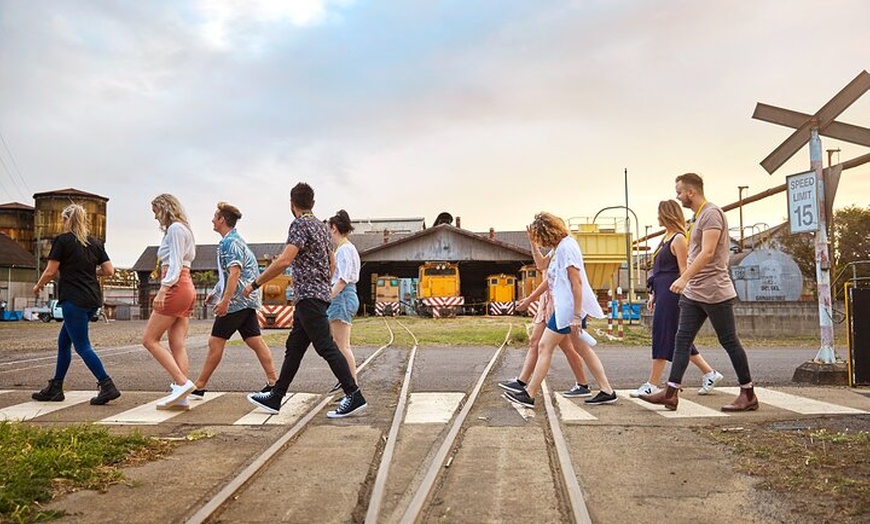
(423, 408)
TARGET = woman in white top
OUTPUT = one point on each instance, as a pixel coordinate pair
(345, 275)
(573, 299)
(173, 305)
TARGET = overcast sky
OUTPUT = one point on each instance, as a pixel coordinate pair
(491, 110)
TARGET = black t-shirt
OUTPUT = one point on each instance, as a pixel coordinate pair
(78, 269)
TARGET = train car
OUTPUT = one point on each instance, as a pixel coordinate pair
(387, 298)
(277, 309)
(438, 292)
(530, 278)
(501, 294)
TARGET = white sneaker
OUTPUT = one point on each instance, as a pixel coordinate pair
(645, 389)
(586, 337)
(176, 395)
(709, 382)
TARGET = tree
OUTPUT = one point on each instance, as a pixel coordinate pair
(851, 242)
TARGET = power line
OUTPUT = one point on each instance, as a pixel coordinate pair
(15, 165)
(6, 169)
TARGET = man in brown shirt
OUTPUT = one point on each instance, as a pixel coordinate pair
(707, 292)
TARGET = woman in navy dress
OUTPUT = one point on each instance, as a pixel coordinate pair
(669, 260)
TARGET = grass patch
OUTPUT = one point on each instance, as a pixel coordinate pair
(458, 331)
(37, 464)
(823, 470)
(490, 331)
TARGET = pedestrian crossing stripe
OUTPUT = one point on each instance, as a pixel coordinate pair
(149, 415)
(423, 408)
(432, 408)
(802, 405)
(34, 408)
(293, 406)
(570, 411)
(687, 408)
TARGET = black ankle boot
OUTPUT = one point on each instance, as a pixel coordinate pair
(53, 392)
(108, 392)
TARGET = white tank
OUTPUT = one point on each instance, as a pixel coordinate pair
(766, 275)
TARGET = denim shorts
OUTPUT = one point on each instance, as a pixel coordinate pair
(344, 306)
(551, 325)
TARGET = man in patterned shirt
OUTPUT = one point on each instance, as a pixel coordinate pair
(237, 266)
(309, 252)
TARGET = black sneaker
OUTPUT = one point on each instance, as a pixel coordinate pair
(513, 385)
(269, 401)
(602, 398)
(349, 405)
(577, 391)
(197, 394)
(522, 398)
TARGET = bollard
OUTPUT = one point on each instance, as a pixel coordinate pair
(619, 333)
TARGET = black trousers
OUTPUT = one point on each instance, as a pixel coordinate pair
(692, 317)
(311, 326)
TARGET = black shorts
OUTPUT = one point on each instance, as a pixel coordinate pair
(244, 321)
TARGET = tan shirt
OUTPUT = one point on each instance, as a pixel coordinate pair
(713, 283)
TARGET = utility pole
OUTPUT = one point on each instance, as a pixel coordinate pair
(740, 196)
(628, 250)
(826, 352)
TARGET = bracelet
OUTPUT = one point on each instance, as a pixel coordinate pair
(254, 285)
(578, 315)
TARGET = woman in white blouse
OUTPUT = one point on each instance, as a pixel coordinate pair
(173, 305)
(345, 301)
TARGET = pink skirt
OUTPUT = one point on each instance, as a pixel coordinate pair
(181, 297)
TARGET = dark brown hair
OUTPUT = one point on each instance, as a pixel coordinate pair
(302, 196)
(230, 213)
(341, 221)
(692, 180)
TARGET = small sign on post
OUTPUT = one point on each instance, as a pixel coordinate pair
(803, 202)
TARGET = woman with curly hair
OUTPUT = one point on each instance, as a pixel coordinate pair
(573, 299)
(173, 305)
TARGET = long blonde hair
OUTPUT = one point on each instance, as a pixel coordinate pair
(548, 230)
(168, 210)
(76, 222)
(671, 216)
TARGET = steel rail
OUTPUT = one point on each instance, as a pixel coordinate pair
(211, 507)
(379, 489)
(414, 509)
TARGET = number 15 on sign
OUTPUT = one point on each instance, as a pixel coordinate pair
(803, 202)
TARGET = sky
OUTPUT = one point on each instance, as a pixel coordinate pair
(490, 110)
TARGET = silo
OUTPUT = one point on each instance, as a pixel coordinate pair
(50, 205)
(16, 222)
(766, 275)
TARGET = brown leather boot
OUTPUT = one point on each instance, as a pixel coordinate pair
(668, 397)
(745, 401)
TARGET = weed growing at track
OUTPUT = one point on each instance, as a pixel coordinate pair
(819, 465)
(37, 464)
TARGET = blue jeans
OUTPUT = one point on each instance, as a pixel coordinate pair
(74, 332)
(692, 317)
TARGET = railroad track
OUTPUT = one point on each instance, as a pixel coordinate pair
(408, 471)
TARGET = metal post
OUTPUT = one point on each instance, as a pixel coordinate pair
(628, 246)
(740, 196)
(826, 352)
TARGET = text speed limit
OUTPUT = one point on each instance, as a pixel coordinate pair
(803, 202)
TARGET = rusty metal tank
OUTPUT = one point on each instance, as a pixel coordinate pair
(50, 205)
(16, 222)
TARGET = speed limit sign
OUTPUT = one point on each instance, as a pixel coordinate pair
(803, 202)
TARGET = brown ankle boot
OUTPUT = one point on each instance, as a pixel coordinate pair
(745, 401)
(668, 397)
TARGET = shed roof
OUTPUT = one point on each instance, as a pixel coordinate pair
(69, 192)
(16, 206)
(13, 255)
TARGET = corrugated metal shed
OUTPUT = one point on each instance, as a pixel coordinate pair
(394, 225)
